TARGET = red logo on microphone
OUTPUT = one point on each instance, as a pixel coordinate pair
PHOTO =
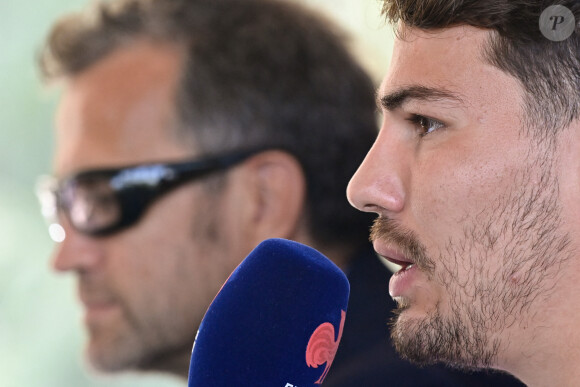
(322, 346)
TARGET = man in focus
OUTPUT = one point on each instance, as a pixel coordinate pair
(475, 180)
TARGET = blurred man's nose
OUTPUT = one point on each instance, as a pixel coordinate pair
(77, 252)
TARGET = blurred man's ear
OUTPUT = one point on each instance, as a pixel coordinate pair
(277, 190)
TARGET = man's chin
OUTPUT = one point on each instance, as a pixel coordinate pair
(110, 361)
(103, 366)
(428, 338)
(107, 358)
(408, 343)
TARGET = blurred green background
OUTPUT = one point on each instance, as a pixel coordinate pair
(41, 337)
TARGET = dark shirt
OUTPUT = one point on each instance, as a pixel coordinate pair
(366, 358)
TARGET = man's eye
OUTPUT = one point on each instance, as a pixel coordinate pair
(425, 124)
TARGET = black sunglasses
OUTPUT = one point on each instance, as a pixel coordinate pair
(103, 201)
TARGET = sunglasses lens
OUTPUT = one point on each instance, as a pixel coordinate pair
(90, 203)
(46, 188)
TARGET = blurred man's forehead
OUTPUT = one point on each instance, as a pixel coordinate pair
(120, 110)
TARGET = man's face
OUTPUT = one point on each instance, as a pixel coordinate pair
(469, 204)
(145, 289)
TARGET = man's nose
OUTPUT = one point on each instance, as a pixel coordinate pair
(76, 252)
(379, 184)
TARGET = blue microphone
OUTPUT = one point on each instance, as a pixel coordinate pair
(277, 321)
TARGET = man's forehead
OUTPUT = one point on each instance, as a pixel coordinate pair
(118, 111)
(444, 58)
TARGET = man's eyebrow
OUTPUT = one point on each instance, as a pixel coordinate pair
(396, 99)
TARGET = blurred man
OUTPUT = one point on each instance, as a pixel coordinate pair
(188, 132)
(475, 176)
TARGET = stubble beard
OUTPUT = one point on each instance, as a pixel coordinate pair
(522, 227)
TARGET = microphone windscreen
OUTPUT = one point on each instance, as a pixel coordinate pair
(277, 320)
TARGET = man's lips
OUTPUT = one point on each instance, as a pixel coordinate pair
(93, 296)
(97, 307)
(392, 254)
(402, 280)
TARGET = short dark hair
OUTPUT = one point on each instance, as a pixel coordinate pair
(549, 71)
(256, 72)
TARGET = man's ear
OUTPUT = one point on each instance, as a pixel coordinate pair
(276, 193)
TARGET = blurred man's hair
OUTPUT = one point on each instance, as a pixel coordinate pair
(256, 72)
